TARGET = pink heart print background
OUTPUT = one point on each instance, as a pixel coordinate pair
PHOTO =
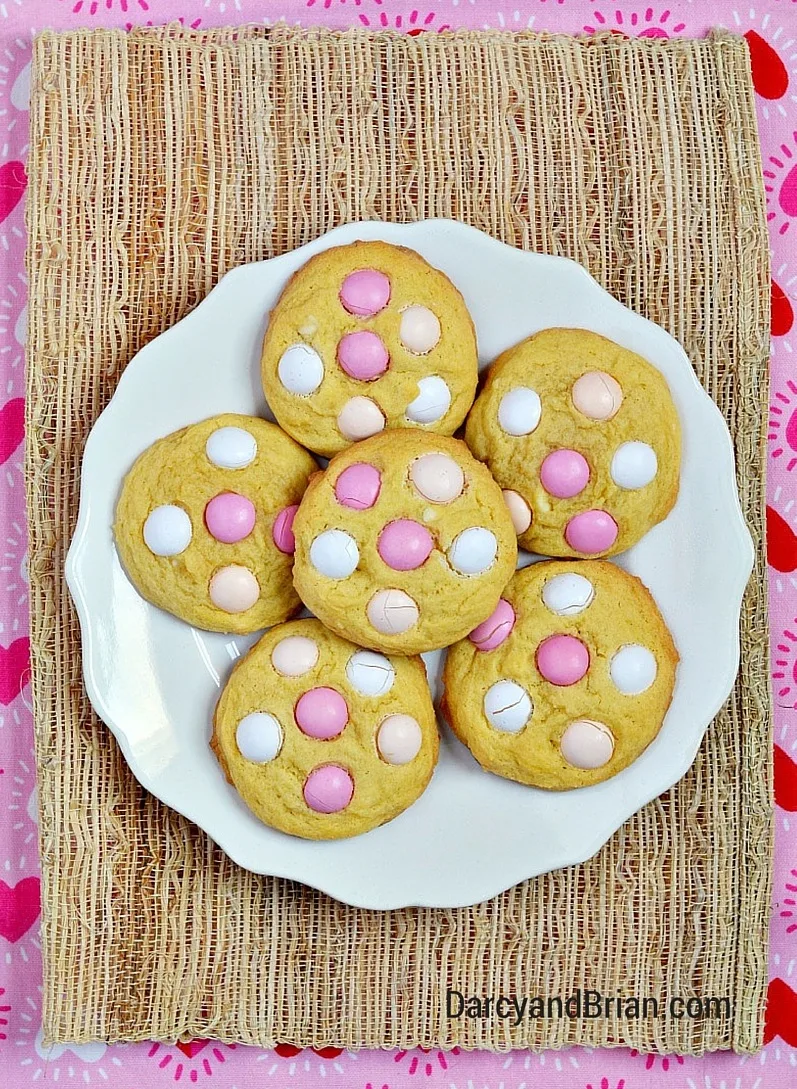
(771, 29)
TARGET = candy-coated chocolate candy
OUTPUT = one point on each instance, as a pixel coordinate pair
(358, 486)
(419, 330)
(234, 589)
(519, 411)
(282, 530)
(405, 544)
(493, 631)
(230, 517)
(597, 395)
(369, 673)
(634, 465)
(392, 612)
(568, 594)
(564, 473)
(591, 532)
(259, 737)
(633, 669)
(473, 551)
(562, 659)
(432, 402)
(328, 789)
(294, 655)
(301, 369)
(359, 418)
(507, 706)
(399, 739)
(437, 477)
(167, 530)
(231, 448)
(334, 553)
(587, 744)
(321, 713)
(519, 510)
(363, 355)
(365, 292)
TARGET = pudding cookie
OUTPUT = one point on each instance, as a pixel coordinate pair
(584, 437)
(367, 337)
(404, 544)
(568, 681)
(322, 739)
(204, 523)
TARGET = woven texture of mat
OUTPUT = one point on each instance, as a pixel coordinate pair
(158, 161)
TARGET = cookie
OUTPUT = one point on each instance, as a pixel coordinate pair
(404, 544)
(322, 739)
(204, 523)
(569, 680)
(367, 337)
(585, 439)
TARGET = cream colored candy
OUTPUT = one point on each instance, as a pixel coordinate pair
(597, 395)
(437, 477)
(419, 330)
(587, 744)
(234, 589)
(294, 655)
(519, 510)
(399, 739)
(392, 612)
(360, 418)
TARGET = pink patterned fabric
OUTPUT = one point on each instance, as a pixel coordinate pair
(771, 29)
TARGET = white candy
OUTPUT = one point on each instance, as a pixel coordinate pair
(587, 744)
(294, 655)
(334, 553)
(432, 402)
(301, 369)
(634, 465)
(419, 330)
(519, 411)
(633, 669)
(568, 594)
(370, 674)
(473, 551)
(507, 706)
(167, 530)
(259, 737)
(231, 448)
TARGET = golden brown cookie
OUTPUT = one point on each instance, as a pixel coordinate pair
(585, 439)
(204, 523)
(568, 681)
(366, 337)
(404, 544)
(322, 739)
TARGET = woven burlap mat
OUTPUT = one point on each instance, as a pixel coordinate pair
(158, 161)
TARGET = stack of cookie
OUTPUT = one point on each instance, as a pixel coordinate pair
(557, 676)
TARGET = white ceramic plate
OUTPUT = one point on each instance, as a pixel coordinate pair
(154, 680)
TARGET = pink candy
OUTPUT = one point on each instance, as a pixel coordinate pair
(282, 530)
(562, 659)
(328, 789)
(362, 355)
(358, 486)
(321, 713)
(591, 532)
(365, 292)
(492, 632)
(564, 473)
(405, 544)
(230, 517)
